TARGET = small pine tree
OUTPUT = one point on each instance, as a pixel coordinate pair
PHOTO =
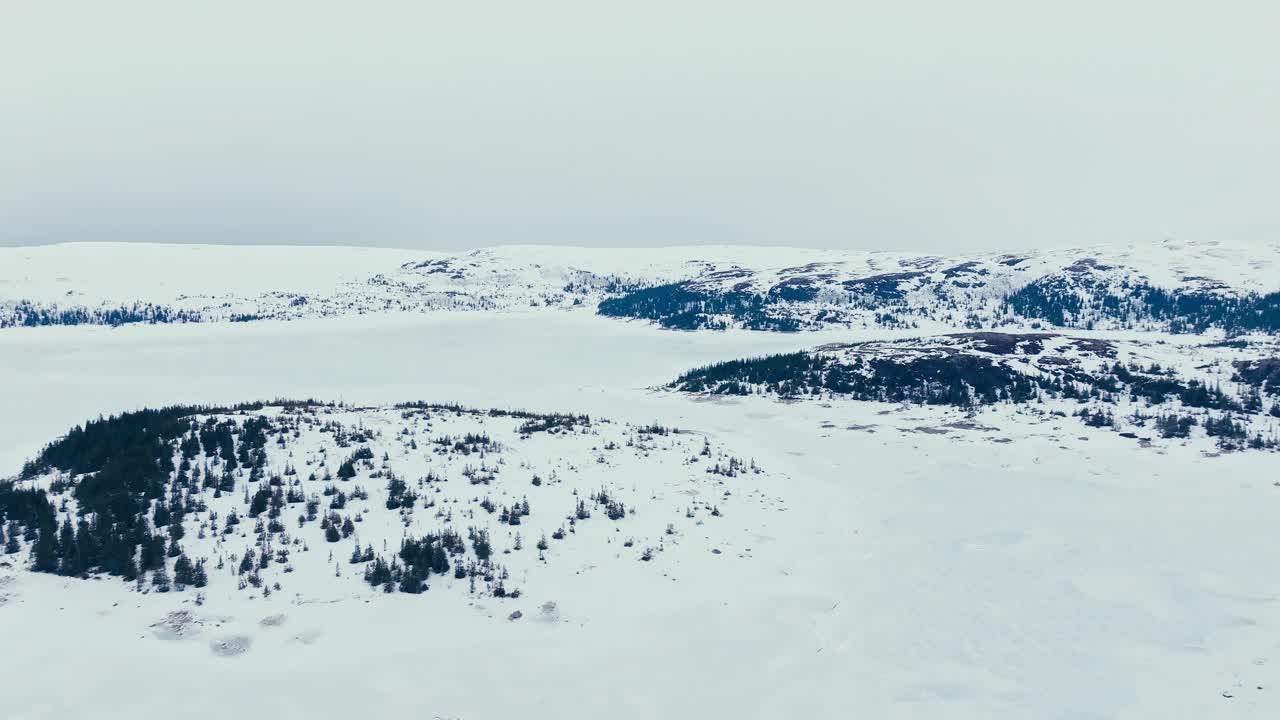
(160, 579)
(183, 572)
(346, 470)
(44, 552)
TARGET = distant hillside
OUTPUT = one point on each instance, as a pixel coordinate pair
(1229, 392)
(1173, 287)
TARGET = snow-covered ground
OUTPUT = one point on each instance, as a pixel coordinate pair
(123, 272)
(893, 562)
(120, 283)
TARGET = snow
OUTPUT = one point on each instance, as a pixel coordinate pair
(229, 282)
(90, 273)
(1018, 568)
(665, 481)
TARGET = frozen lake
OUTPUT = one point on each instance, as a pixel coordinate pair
(1026, 570)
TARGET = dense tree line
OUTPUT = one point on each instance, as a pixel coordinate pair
(678, 307)
(1075, 299)
(1264, 375)
(25, 514)
(956, 379)
(1064, 304)
(25, 313)
(966, 380)
(129, 510)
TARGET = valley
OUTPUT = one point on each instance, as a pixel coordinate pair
(912, 559)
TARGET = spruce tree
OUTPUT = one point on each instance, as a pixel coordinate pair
(129, 567)
(246, 562)
(160, 579)
(67, 549)
(44, 551)
(183, 572)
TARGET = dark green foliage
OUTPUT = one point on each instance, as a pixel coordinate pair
(25, 508)
(417, 560)
(956, 379)
(480, 544)
(1080, 301)
(949, 377)
(413, 582)
(1264, 375)
(136, 440)
(734, 377)
(1225, 428)
(380, 573)
(12, 543)
(552, 423)
(881, 289)
(1192, 394)
(160, 579)
(258, 504)
(676, 306)
(44, 554)
(398, 493)
(1175, 426)
(184, 572)
(535, 422)
(29, 314)
(1046, 302)
(124, 464)
(1097, 418)
(347, 470)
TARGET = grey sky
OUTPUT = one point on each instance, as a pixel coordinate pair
(931, 125)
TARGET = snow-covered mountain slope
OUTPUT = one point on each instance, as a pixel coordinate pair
(214, 282)
(1168, 286)
(1225, 394)
(120, 273)
(315, 500)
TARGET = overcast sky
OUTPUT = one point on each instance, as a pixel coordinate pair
(930, 125)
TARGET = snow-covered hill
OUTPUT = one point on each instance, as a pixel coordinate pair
(1223, 394)
(319, 501)
(1169, 286)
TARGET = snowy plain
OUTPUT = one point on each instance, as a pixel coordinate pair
(1013, 569)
